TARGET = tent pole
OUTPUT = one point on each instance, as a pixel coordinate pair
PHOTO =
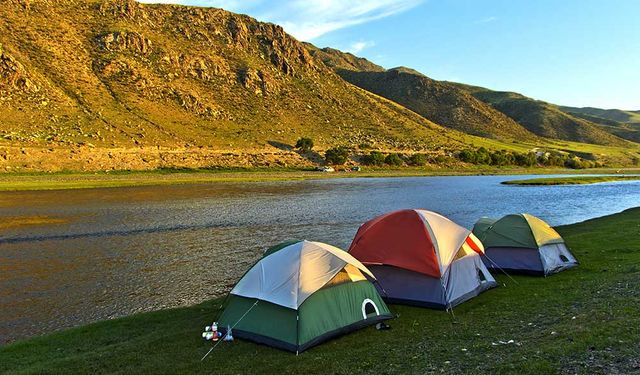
(297, 333)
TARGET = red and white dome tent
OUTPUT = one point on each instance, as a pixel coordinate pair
(422, 258)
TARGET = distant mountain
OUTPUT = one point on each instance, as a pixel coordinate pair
(542, 118)
(624, 124)
(618, 115)
(436, 101)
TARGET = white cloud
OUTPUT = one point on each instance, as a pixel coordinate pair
(356, 47)
(309, 19)
(487, 20)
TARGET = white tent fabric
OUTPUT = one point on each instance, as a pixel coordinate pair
(448, 237)
(552, 256)
(289, 276)
(465, 271)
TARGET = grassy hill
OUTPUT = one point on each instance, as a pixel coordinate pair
(542, 118)
(116, 73)
(584, 320)
(436, 101)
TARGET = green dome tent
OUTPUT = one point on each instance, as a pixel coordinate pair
(301, 294)
(523, 243)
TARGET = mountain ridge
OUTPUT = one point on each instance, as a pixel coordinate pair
(434, 100)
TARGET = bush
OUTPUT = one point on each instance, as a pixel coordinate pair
(393, 159)
(374, 158)
(483, 156)
(304, 144)
(418, 159)
(467, 156)
(501, 158)
(575, 163)
(336, 155)
(525, 160)
(441, 159)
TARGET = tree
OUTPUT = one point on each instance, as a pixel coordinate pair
(525, 160)
(304, 144)
(374, 158)
(418, 159)
(574, 163)
(394, 159)
(336, 155)
(467, 156)
(483, 156)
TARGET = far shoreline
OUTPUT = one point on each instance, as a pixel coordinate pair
(574, 180)
(69, 180)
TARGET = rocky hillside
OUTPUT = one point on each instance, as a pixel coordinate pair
(338, 60)
(436, 101)
(115, 84)
(544, 119)
(116, 73)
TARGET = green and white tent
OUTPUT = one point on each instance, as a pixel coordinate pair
(301, 294)
(523, 243)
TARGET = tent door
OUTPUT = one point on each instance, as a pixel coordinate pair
(556, 256)
(369, 309)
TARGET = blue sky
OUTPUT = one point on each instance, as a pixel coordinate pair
(570, 52)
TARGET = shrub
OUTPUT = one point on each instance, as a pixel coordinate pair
(501, 158)
(374, 158)
(525, 160)
(467, 156)
(574, 163)
(441, 159)
(418, 159)
(336, 155)
(483, 156)
(304, 144)
(393, 159)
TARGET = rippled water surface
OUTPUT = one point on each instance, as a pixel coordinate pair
(112, 252)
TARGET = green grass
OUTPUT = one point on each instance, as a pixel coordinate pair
(583, 180)
(585, 320)
(87, 180)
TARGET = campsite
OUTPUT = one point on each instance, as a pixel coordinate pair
(319, 187)
(567, 321)
(586, 322)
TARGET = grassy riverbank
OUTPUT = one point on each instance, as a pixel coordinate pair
(583, 180)
(78, 180)
(585, 320)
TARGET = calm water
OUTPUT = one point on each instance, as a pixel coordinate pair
(120, 251)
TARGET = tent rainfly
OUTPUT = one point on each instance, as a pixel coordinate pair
(523, 243)
(300, 294)
(422, 258)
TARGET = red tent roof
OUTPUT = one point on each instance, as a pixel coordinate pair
(399, 239)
